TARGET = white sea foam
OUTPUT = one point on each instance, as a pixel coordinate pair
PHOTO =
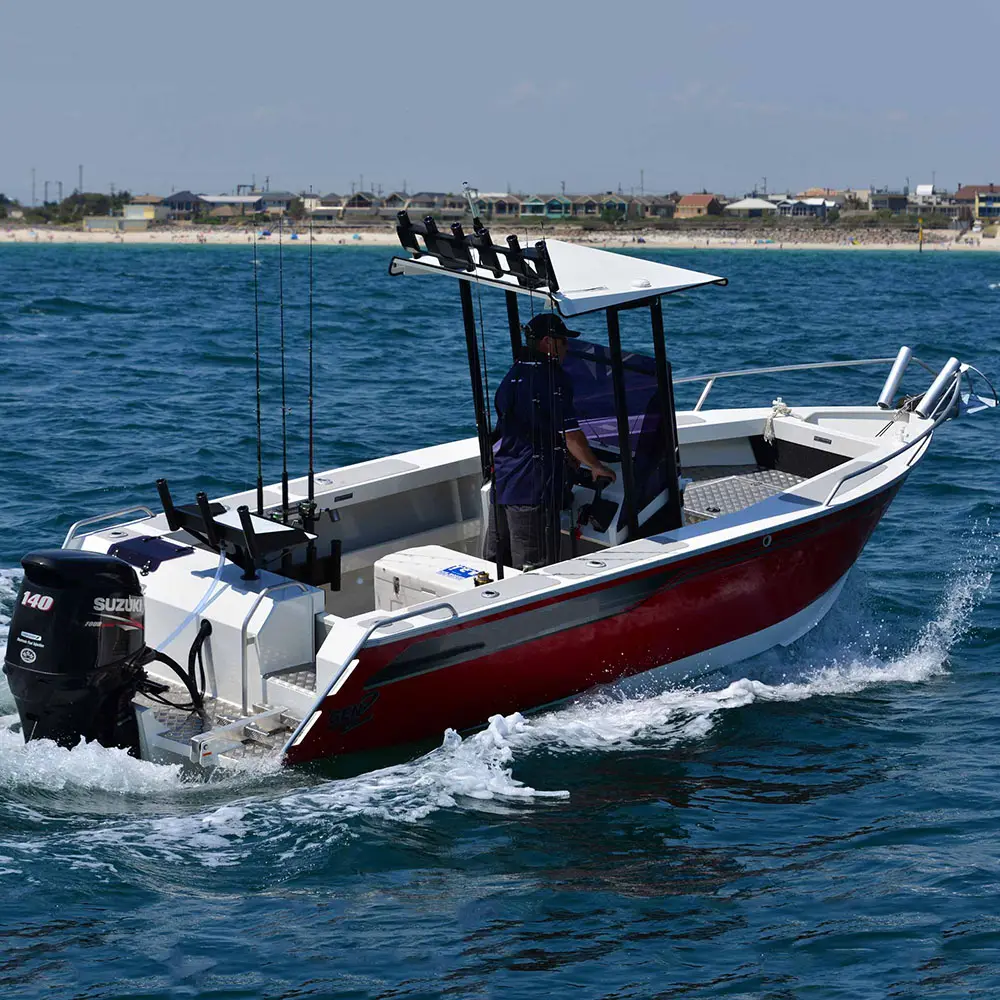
(44, 765)
(10, 582)
(678, 714)
(475, 773)
(475, 770)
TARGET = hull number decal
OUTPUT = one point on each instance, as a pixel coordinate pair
(351, 716)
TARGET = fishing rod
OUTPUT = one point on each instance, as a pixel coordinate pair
(312, 485)
(256, 358)
(284, 409)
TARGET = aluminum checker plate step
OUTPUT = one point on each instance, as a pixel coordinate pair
(714, 497)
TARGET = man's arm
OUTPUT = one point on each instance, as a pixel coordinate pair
(579, 448)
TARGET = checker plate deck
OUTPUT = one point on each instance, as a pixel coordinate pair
(711, 497)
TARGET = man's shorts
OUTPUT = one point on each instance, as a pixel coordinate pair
(521, 536)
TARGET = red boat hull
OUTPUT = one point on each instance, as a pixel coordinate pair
(414, 688)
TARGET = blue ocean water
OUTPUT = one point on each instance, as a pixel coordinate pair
(825, 830)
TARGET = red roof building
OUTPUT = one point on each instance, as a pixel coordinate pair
(691, 206)
(966, 193)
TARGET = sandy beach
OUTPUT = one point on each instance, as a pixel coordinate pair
(936, 241)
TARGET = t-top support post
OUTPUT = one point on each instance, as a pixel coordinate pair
(668, 417)
(513, 324)
(631, 515)
(476, 378)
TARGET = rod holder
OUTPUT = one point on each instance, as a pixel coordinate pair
(894, 378)
(253, 556)
(939, 387)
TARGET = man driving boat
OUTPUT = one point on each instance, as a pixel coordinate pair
(536, 426)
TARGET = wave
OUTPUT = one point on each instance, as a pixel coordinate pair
(59, 306)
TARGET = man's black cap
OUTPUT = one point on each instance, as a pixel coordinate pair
(547, 324)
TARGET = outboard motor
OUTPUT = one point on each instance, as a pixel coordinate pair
(75, 648)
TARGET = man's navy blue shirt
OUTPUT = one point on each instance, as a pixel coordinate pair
(534, 409)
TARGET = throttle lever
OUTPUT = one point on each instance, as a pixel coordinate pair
(588, 513)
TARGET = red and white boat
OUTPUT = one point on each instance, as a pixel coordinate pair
(349, 611)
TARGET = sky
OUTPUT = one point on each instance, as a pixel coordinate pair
(651, 96)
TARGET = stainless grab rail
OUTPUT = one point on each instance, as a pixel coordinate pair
(246, 621)
(366, 635)
(943, 410)
(808, 366)
(71, 534)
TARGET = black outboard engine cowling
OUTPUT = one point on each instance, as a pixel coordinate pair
(75, 648)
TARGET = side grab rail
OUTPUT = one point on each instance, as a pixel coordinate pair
(74, 528)
(808, 366)
(943, 410)
(365, 636)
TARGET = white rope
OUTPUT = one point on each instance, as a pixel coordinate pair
(779, 408)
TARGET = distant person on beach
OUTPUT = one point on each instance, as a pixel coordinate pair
(536, 425)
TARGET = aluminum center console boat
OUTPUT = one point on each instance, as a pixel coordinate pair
(350, 611)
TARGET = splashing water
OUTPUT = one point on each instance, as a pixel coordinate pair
(603, 719)
(10, 583)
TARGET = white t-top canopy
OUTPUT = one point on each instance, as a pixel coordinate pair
(589, 279)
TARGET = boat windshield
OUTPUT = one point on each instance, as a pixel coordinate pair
(589, 367)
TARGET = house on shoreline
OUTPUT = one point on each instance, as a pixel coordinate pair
(693, 206)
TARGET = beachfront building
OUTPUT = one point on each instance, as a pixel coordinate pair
(228, 206)
(965, 199)
(547, 206)
(693, 206)
(184, 205)
(857, 199)
(501, 205)
(930, 200)
(652, 206)
(614, 206)
(395, 201)
(149, 213)
(885, 200)
(274, 202)
(586, 206)
(425, 202)
(828, 194)
(330, 208)
(437, 203)
(114, 223)
(988, 204)
(805, 208)
(752, 208)
(361, 203)
(149, 207)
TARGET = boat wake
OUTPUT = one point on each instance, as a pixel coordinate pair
(122, 801)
